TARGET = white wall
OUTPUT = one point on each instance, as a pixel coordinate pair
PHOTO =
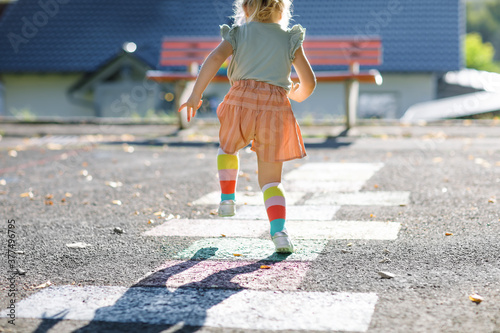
(327, 102)
(43, 95)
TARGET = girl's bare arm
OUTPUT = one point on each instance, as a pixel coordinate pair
(301, 91)
(207, 73)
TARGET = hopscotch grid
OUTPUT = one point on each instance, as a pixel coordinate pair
(242, 272)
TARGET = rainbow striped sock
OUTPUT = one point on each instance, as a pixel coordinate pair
(227, 165)
(274, 198)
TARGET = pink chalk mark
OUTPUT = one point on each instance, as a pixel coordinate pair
(228, 275)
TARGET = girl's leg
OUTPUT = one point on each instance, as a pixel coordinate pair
(269, 172)
(274, 198)
(227, 165)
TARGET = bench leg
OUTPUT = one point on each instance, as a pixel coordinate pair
(179, 88)
(351, 102)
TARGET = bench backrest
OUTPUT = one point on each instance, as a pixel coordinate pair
(184, 51)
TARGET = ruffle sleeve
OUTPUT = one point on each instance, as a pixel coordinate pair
(297, 34)
(229, 34)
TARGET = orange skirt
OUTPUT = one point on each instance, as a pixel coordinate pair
(260, 113)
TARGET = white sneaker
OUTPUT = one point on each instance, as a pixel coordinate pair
(227, 208)
(282, 242)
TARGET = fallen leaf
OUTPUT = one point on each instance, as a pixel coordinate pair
(49, 202)
(448, 234)
(476, 298)
(375, 186)
(151, 222)
(26, 195)
(190, 204)
(128, 149)
(113, 184)
(117, 202)
(386, 275)
(437, 160)
(159, 214)
(492, 200)
(49, 196)
(222, 235)
(54, 146)
(85, 164)
(44, 285)
(213, 212)
(68, 195)
(63, 200)
(372, 215)
(236, 254)
(127, 137)
(265, 267)
(78, 245)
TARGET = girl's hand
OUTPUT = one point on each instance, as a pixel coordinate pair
(295, 87)
(193, 104)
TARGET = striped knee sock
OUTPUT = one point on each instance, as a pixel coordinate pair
(227, 165)
(274, 198)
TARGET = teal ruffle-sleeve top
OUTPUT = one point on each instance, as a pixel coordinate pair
(263, 52)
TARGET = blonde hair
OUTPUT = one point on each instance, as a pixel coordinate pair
(262, 10)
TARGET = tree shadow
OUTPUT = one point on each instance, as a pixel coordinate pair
(183, 309)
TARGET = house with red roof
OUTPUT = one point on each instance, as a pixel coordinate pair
(88, 58)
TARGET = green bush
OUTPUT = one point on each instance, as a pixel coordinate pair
(479, 55)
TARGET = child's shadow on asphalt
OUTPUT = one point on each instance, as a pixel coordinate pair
(140, 305)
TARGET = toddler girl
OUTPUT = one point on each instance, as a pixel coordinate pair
(256, 108)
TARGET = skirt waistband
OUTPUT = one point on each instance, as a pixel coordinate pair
(259, 85)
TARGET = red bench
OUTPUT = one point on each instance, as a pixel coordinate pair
(190, 52)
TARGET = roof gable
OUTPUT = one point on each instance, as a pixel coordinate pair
(80, 36)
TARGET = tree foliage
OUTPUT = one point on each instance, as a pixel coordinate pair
(483, 35)
(484, 18)
(479, 55)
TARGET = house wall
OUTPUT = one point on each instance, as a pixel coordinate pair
(393, 97)
(42, 95)
(45, 96)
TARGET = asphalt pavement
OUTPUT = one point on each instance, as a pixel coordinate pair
(113, 228)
